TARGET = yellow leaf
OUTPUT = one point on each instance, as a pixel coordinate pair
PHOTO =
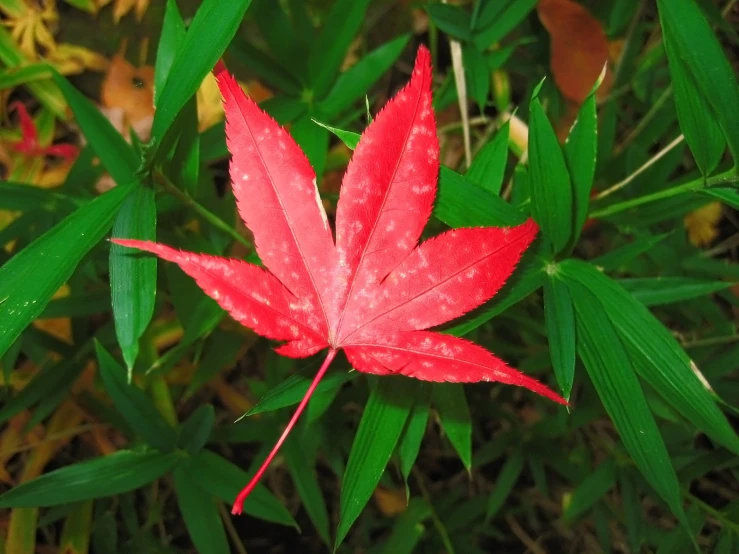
(579, 48)
(29, 23)
(70, 59)
(390, 502)
(702, 224)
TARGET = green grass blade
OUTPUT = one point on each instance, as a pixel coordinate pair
(559, 316)
(551, 190)
(612, 374)
(195, 58)
(690, 39)
(116, 473)
(200, 514)
(488, 166)
(133, 277)
(379, 430)
(134, 405)
(454, 413)
(31, 277)
(354, 83)
(224, 480)
(656, 291)
(657, 356)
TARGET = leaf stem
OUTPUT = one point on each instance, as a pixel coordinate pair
(203, 212)
(239, 502)
(726, 178)
(649, 163)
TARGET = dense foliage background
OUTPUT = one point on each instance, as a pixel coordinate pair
(123, 384)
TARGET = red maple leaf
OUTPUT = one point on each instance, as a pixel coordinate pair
(373, 290)
(29, 144)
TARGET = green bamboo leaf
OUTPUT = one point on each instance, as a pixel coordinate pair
(114, 152)
(461, 203)
(354, 83)
(170, 41)
(195, 58)
(551, 191)
(196, 430)
(222, 479)
(697, 121)
(560, 321)
(133, 277)
(300, 456)
(729, 196)
(408, 529)
(379, 430)
(292, 390)
(415, 429)
(266, 68)
(618, 259)
(452, 20)
(590, 490)
(24, 197)
(688, 36)
(497, 19)
(477, 74)
(657, 356)
(200, 513)
(134, 405)
(526, 280)
(45, 91)
(454, 413)
(313, 140)
(340, 27)
(581, 153)
(31, 277)
(278, 33)
(656, 291)
(116, 473)
(12, 77)
(611, 372)
(507, 479)
(488, 167)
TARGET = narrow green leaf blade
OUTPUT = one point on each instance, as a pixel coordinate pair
(114, 152)
(196, 430)
(614, 379)
(133, 277)
(171, 39)
(120, 472)
(454, 413)
(488, 167)
(415, 428)
(551, 191)
(581, 154)
(657, 356)
(339, 29)
(656, 291)
(224, 480)
(590, 490)
(354, 83)
(134, 405)
(379, 430)
(559, 316)
(31, 277)
(216, 20)
(689, 36)
(505, 482)
(200, 513)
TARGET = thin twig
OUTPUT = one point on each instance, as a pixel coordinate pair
(636, 131)
(523, 536)
(203, 212)
(230, 529)
(649, 163)
(459, 82)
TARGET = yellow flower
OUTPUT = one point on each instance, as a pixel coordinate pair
(122, 7)
(702, 224)
(29, 22)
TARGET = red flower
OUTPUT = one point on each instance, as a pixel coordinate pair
(373, 290)
(29, 144)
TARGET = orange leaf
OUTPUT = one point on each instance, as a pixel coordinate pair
(129, 89)
(579, 47)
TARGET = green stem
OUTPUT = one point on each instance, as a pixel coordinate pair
(203, 212)
(695, 185)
